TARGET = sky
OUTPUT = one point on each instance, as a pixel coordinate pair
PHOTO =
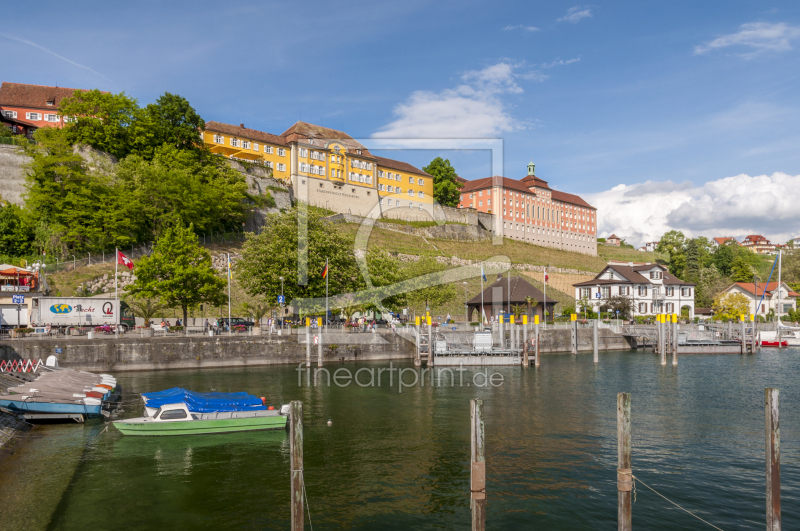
(663, 115)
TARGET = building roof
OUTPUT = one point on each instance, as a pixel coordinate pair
(522, 186)
(33, 96)
(632, 274)
(613, 237)
(770, 287)
(724, 239)
(520, 288)
(400, 166)
(755, 238)
(240, 130)
(702, 311)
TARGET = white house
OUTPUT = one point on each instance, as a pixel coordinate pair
(652, 288)
(769, 291)
(649, 247)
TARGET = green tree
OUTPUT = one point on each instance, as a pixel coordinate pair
(674, 244)
(178, 272)
(731, 305)
(741, 271)
(385, 271)
(618, 303)
(101, 120)
(171, 120)
(274, 254)
(693, 261)
(256, 309)
(16, 238)
(145, 308)
(445, 185)
(710, 283)
(724, 256)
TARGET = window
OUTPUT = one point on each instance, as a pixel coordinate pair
(380, 173)
(669, 291)
(655, 275)
(322, 170)
(268, 164)
(268, 150)
(480, 203)
(421, 182)
(411, 193)
(281, 167)
(235, 142)
(246, 144)
(397, 177)
(303, 152)
(670, 307)
(480, 193)
(10, 114)
(255, 146)
(314, 155)
(643, 291)
(219, 139)
(624, 290)
(605, 292)
(686, 292)
(586, 293)
(389, 201)
(173, 414)
(489, 202)
(391, 189)
(642, 307)
(281, 152)
(420, 194)
(410, 180)
(50, 117)
(398, 190)
(303, 167)
(35, 116)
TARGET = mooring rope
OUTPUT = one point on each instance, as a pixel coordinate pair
(308, 509)
(672, 502)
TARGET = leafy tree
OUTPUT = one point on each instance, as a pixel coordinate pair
(145, 308)
(430, 290)
(384, 271)
(257, 309)
(674, 244)
(724, 256)
(741, 271)
(16, 237)
(101, 120)
(693, 261)
(174, 122)
(178, 272)
(710, 282)
(445, 185)
(619, 303)
(274, 254)
(731, 305)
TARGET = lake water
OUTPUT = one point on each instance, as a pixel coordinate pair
(400, 460)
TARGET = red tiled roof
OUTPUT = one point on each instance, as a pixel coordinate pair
(570, 198)
(238, 130)
(513, 184)
(33, 96)
(399, 165)
(536, 181)
(755, 238)
(770, 287)
(613, 237)
(724, 239)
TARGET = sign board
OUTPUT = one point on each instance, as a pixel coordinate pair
(281, 299)
(596, 295)
(59, 350)
(18, 299)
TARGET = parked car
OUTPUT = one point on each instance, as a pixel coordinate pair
(235, 321)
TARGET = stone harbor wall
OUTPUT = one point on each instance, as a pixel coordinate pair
(10, 427)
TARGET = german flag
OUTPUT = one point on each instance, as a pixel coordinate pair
(325, 270)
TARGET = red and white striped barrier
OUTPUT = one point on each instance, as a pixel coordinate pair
(20, 365)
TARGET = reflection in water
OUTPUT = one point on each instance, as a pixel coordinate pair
(400, 461)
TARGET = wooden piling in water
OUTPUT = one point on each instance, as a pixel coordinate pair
(773, 461)
(595, 347)
(525, 361)
(502, 342)
(308, 342)
(319, 344)
(743, 332)
(675, 340)
(417, 356)
(430, 343)
(624, 472)
(477, 466)
(296, 464)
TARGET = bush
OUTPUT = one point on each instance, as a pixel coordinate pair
(176, 328)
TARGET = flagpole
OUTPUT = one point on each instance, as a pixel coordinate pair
(229, 293)
(327, 274)
(482, 315)
(545, 297)
(116, 293)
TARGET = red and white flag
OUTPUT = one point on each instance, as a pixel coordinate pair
(545, 275)
(124, 260)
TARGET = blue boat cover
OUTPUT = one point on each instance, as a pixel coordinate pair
(205, 402)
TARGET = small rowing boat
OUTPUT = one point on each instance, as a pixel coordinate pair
(176, 419)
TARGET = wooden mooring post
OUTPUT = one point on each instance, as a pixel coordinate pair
(773, 455)
(501, 331)
(595, 347)
(308, 342)
(574, 333)
(743, 333)
(624, 472)
(477, 476)
(538, 340)
(430, 343)
(296, 464)
(675, 340)
(319, 343)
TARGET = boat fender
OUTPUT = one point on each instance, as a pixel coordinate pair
(330, 422)
(271, 408)
(263, 401)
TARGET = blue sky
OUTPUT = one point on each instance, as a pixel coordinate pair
(685, 94)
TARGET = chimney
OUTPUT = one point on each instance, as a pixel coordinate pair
(630, 264)
(241, 125)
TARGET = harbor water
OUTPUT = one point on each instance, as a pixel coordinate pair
(399, 460)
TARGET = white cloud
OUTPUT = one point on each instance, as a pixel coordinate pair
(732, 206)
(759, 37)
(520, 27)
(560, 62)
(575, 14)
(473, 109)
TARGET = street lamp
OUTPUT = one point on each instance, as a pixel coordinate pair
(466, 309)
(282, 299)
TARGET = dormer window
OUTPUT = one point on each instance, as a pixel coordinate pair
(50, 103)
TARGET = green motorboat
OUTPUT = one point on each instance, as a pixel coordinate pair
(176, 419)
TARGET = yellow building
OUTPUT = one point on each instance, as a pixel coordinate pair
(328, 168)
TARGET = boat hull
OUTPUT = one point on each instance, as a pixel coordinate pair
(24, 406)
(200, 427)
